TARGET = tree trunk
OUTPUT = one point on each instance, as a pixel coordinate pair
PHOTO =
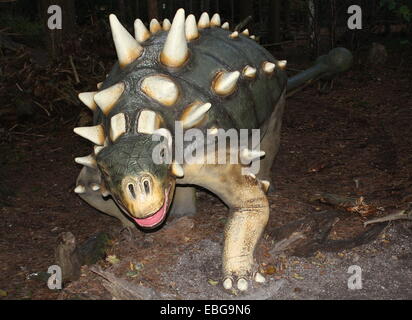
(55, 37)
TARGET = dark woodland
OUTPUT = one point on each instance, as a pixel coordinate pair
(342, 180)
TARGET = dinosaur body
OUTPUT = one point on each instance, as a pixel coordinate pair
(188, 75)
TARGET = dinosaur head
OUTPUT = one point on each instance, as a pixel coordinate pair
(141, 185)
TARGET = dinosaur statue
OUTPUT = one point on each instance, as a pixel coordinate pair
(188, 75)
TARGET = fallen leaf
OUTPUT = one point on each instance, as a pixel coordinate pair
(212, 282)
(112, 259)
(297, 276)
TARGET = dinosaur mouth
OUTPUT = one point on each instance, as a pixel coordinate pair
(156, 218)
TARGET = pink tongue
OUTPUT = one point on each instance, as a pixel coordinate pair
(154, 219)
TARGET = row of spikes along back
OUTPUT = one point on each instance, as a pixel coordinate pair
(161, 88)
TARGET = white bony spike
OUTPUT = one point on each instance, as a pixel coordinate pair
(95, 134)
(148, 122)
(259, 278)
(282, 64)
(166, 24)
(80, 189)
(245, 32)
(99, 85)
(251, 175)
(225, 82)
(97, 149)
(253, 37)
(234, 35)
(225, 26)
(107, 98)
(105, 192)
(177, 170)
(265, 185)
(247, 156)
(161, 88)
(249, 72)
(195, 114)
(154, 26)
(117, 126)
(140, 31)
(95, 187)
(127, 48)
(268, 67)
(175, 51)
(87, 99)
(88, 161)
(204, 21)
(192, 32)
(215, 21)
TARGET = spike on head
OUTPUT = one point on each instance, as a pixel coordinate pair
(127, 48)
(215, 21)
(225, 83)
(140, 31)
(99, 85)
(161, 88)
(88, 99)
(247, 156)
(191, 30)
(175, 51)
(177, 170)
(80, 189)
(245, 32)
(282, 64)
(204, 21)
(117, 126)
(95, 133)
(225, 26)
(88, 161)
(166, 24)
(107, 98)
(97, 149)
(253, 37)
(154, 26)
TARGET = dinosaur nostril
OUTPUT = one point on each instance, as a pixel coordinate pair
(131, 190)
(146, 185)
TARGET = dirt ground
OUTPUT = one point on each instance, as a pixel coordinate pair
(353, 141)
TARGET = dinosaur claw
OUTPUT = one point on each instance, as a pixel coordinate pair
(259, 278)
(227, 284)
(242, 284)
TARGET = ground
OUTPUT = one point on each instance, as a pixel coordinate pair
(353, 141)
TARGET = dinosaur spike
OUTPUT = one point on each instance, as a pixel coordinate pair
(245, 32)
(247, 156)
(249, 72)
(234, 35)
(225, 82)
(215, 21)
(253, 37)
(154, 26)
(192, 32)
(166, 24)
(268, 67)
(88, 161)
(282, 64)
(95, 187)
(149, 121)
(97, 149)
(87, 99)
(107, 98)
(99, 85)
(117, 126)
(140, 31)
(177, 170)
(80, 189)
(225, 26)
(265, 185)
(194, 114)
(127, 48)
(161, 88)
(175, 51)
(105, 192)
(204, 21)
(95, 134)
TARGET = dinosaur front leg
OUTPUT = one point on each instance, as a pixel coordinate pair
(243, 230)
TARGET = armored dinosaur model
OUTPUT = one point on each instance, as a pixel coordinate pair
(198, 75)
